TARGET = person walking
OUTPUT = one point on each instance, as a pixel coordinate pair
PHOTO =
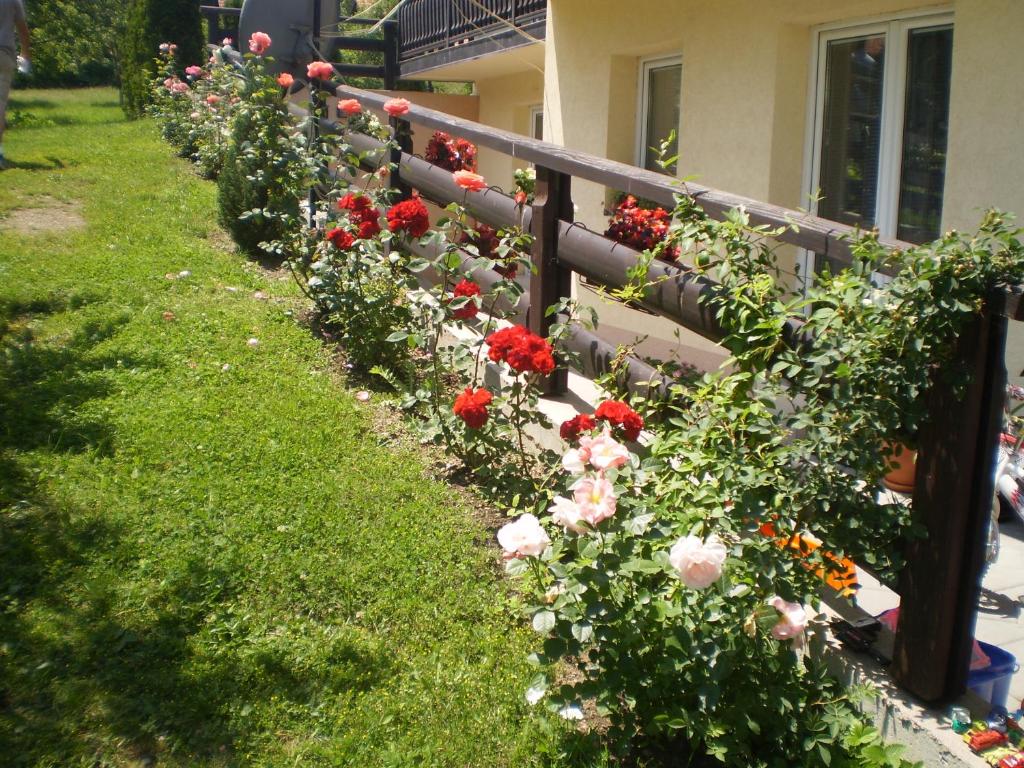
(12, 18)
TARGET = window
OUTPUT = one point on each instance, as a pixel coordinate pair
(537, 122)
(661, 83)
(881, 116)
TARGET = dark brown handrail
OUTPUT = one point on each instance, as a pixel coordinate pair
(431, 25)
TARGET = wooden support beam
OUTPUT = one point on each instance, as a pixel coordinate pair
(550, 281)
(940, 584)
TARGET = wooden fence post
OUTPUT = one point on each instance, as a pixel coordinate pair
(402, 132)
(549, 281)
(940, 583)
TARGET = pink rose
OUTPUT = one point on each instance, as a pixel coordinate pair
(396, 107)
(172, 48)
(524, 537)
(596, 497)
(349, 107)
(319, 70)
(698, 563)
(468, 180)
(259, 43)
(212, 99)
(226, 42)
(179, 87)
(604, 452)
(285, 80)
(566, 513)
(165, 47)
(792, 621)
(194, 71)
(575, 460)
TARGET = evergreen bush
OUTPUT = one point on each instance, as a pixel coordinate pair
(150, 23)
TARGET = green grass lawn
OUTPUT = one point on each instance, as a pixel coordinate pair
(209, 555)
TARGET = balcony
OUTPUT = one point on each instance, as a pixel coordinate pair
(440, 33)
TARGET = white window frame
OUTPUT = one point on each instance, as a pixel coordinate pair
(536, 111)
(643, 99)
(894, 86)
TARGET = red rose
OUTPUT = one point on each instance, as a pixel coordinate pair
(352, 202)
(369, 227)
(618, 414)
(524, 352)
(340, 238)
(471, 407)
(469, 309)
(571, 429)
(409, 216)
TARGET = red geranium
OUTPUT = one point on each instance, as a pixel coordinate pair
(641, 228)
(468, 310)
(471, 407)
(618, 414)
(409, 216)
(524, 352)
(340, 238)
(450, 154)
(574, 427)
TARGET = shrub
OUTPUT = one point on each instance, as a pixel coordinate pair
(74, 43)
(150, 23)
(263, 166)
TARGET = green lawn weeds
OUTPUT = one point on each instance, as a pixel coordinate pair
(208, 555)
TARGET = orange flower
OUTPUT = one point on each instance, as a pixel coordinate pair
(468, 180)
(285, 80)
(319, 70)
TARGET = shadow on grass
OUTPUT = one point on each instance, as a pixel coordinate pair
(51, 164)
(107, 657)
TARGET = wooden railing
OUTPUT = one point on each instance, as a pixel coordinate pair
(939, 587)
(430, 25)
(220, 22)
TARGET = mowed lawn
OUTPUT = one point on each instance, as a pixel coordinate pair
(209, 553)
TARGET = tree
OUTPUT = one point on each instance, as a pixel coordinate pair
(74, 42)
(150, 23)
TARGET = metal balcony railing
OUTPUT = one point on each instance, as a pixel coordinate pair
(431, 26)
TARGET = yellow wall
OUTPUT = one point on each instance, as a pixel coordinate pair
(505, 102)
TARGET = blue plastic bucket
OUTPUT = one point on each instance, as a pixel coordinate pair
(993, 682)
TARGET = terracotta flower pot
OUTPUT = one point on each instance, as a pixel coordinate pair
(903, 461)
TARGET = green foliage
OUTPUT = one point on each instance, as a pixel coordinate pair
(264, 166)
(151, 23)
(74, 42)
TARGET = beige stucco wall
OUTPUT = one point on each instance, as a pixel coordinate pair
(505, 102)
(745, 94)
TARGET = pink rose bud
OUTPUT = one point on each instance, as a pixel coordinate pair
(470, 181)
(349, 107)
(792, 621)
(259, 43)
(319, 70)
(396, 107)
(698, 563)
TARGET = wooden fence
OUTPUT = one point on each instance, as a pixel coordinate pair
(939, 587)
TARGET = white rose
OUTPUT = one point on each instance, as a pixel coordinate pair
(524, 537)
(698, 563)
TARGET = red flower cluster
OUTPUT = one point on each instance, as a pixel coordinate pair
(450, 154)
(409, 216)
(640, 228)
(618, 414)
(469, 309)
(574, 427)
(524, 352)
(362, 214)
(471, 407)
(340, 238)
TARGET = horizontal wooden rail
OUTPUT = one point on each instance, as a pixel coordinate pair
(820, 235)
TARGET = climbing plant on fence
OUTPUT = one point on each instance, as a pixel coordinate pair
(677, 579)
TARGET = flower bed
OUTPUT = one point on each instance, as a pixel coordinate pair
(647, 570)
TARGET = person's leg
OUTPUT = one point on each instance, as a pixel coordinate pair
(7, 66)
